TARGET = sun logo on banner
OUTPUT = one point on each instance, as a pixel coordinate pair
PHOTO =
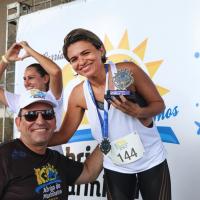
(122, 53)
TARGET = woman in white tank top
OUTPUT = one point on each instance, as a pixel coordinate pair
(134, 156)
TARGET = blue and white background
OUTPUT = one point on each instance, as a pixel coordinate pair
(162, 37)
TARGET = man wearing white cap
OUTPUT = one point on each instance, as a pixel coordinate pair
(28, 169)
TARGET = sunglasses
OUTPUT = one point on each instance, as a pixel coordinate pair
(33, 115)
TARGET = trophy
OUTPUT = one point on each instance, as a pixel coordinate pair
(122, 80)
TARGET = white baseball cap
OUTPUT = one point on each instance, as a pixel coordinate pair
(35, 95)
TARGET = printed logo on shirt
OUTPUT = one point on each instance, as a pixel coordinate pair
(18, 154)
(120, 145)
(35, 93)
(48, 181)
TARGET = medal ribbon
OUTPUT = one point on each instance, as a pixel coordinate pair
(103, 122)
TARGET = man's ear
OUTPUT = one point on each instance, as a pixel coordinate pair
(17, 122)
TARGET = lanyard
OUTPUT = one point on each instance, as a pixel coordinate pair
(103, 121)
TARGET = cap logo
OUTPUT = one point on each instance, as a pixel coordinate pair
(37, 94)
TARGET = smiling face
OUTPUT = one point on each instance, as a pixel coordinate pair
(85, 58)
(33, 80)
(36, 133)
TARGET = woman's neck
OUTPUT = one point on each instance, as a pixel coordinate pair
(100, 78)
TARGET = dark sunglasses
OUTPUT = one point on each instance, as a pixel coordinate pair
(33, 115)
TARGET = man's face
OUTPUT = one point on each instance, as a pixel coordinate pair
(39, 131)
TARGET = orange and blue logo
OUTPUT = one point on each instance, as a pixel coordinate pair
(46, 175)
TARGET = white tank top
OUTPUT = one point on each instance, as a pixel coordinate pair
(121, 124)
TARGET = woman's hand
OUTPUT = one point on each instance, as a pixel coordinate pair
(126, 106)
(26, 49)
(12, 53)
(131, 108)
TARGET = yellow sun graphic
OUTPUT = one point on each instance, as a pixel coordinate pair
(123, 53)
(120, 54)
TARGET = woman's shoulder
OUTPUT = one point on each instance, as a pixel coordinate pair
(120, 65)
(77, 95)
(131, 66)
(78, 87)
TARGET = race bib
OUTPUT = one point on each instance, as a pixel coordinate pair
(127, 149)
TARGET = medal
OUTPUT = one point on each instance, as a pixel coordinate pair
(105, 146)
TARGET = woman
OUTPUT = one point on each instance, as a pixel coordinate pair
(44, 75)
(134, 155)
